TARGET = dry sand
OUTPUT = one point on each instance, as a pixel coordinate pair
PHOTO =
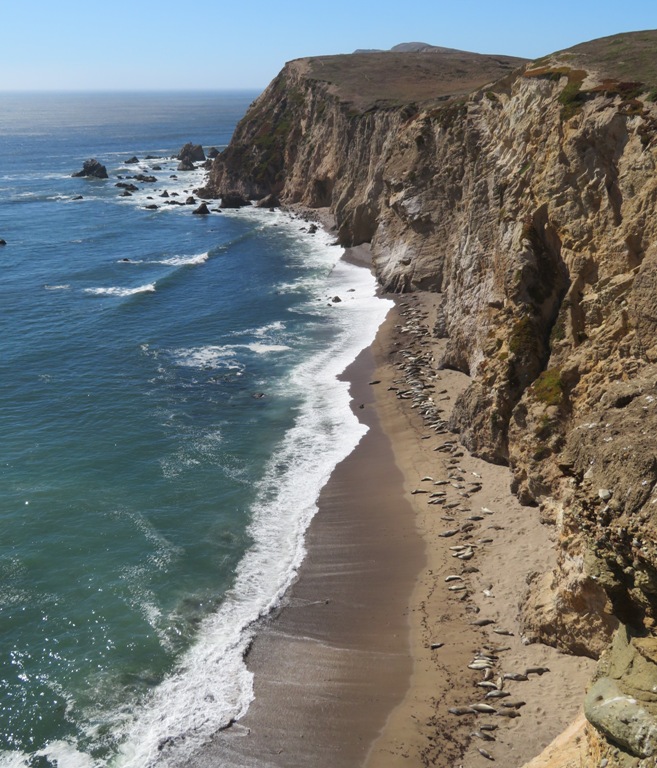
(345, 674)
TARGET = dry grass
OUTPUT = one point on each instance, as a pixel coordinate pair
(625, 58)
(367, 80)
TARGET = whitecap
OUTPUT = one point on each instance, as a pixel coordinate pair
(263, 349)
(114, 291)
(210, 356)
(63, 287)
(183, 261)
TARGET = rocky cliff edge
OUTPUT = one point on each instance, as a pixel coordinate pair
(525, 193)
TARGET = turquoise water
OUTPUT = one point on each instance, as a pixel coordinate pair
(169, 411)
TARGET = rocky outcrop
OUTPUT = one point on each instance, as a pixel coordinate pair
(192, 153)
(93, 169)
(531, 204)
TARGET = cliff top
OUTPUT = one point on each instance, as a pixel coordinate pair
(392, 78)
(629, 56)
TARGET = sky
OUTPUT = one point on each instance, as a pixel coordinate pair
(240, 44)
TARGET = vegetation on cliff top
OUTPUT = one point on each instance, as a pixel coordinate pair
(390, 79)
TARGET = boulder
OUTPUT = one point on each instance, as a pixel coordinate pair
(270, 201)
(621, 718)
(192, 152)
(190, 201)
(202, 210)
(165, 194)
(3, 242)
(131, 161)
(93, 169)
(233, 200)
(185, 165)
(146, 179)
(127, 186)
(213, 152)
(156, 167)
(151, 207)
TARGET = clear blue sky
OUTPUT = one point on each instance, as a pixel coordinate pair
(161, 44)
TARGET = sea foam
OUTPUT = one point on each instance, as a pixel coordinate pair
(212, 686)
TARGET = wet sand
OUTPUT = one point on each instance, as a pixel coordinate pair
(335, 660)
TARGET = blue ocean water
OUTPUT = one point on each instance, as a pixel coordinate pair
(169, 411)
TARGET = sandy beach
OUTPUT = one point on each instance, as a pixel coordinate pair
(415, 545)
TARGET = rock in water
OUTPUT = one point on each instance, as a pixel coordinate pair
(192, 153)
(92, 168)
(131, 161)
(270, 201)
(202, 210)
(234, 200)
(185, 165)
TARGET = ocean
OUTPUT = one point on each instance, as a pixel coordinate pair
(170, 408)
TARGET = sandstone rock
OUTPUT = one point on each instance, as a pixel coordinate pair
(93, 169)
(621, 718)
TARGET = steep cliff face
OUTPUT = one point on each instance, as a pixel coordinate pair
(531, 205)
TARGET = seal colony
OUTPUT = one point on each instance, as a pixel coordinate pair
(477, 677)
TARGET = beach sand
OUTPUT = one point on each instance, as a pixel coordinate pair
(344, 673)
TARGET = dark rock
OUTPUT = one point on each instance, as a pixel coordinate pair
(92, 168)
(164, 194)
(151, 157)
(258, 395)
(233, 200)
(336, 299)
(146, 179)
(312, 229)
(207, 165)
(193, 153)
(190, 201)
(270, 201)
(151, 207)
(156, 167)
(185, 165)
(134, 159)
(202, 210)
(77, 197)
(125, 193)
(127, 186)
(212, 153)
(3, 242)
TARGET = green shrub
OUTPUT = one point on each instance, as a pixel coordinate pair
(548, 387)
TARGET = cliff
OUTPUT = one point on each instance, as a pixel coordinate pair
(526, 194)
